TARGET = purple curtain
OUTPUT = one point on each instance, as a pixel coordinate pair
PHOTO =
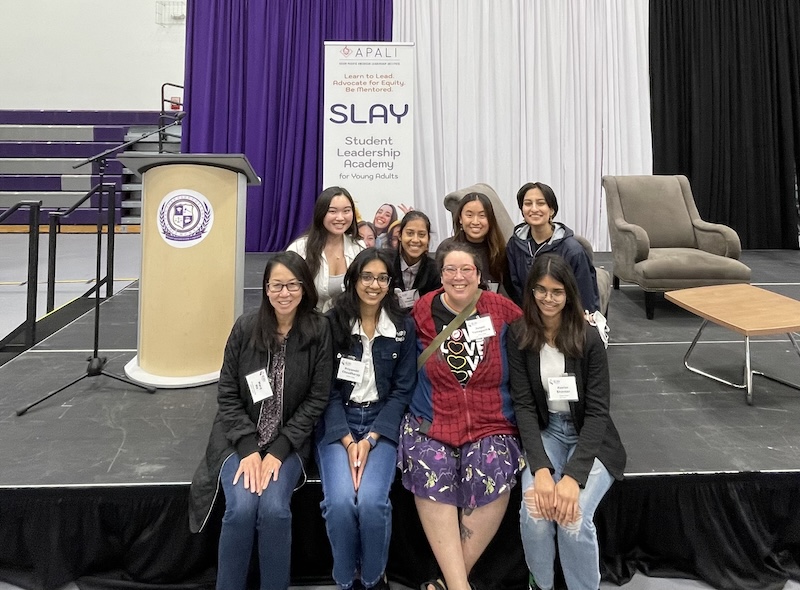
(254, 72)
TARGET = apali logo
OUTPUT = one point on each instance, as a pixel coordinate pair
(346, 51)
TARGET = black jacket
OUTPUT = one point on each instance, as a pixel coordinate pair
(307, 382)
(427, 278)
(597, 435)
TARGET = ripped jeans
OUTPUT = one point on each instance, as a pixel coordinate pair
(577, 543)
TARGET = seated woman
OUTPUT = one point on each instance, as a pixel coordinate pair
(330, 244)
(561, 393)
(539, 234)
(273, 386)
(385, 216)
(459, 452)
(475, 224)
(376, 370)
(413, 271)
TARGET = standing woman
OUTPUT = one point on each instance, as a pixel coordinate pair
(385, 216)
(539, 234)
(273, 386)
(459, 451)
(475, 224)
(414, 272)
(331, 243)
(375, 360)
(561, 392)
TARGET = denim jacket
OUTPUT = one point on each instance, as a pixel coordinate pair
(395, 362)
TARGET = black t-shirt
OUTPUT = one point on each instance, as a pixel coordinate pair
(461, 354)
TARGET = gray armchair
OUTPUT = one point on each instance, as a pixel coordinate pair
(659, 242)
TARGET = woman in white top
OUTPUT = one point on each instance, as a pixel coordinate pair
(331, 243)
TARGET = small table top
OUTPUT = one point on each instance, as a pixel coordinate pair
(743, 308)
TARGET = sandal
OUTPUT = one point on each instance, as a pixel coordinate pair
(437, 583)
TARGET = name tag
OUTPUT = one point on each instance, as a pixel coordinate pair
(480, 327)
(562, 389)
(258, 384)
(407, 298)
(493, 286)
(350, 370)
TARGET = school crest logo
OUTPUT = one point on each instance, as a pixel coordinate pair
(184, 218)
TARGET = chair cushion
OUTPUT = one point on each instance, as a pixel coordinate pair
(679, 268)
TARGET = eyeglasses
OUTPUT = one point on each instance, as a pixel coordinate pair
(466, 271)
(557, 295)
(293, 287)
(367, 279)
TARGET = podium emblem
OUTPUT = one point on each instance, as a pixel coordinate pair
(184, 218)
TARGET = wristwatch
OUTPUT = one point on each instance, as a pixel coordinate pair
(372, 441)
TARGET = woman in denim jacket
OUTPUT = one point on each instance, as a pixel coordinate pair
(374, 375)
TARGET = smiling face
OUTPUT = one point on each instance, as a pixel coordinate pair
(369, 288)
(414, 239)
(535, 210)
(460, 279)
(339, 216)
(383, 217)
(367, 235)
(474, 221)
(550, 297)
(284, 302)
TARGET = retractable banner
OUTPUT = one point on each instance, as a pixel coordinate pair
(369, 123)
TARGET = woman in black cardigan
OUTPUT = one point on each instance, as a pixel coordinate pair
(273, 386)
(413, 271)
(560, 389)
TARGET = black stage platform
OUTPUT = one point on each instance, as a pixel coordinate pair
(93, 482)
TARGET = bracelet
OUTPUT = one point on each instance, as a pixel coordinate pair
(352, 442)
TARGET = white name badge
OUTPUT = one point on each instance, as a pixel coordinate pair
(562, 389)
(480, 327)
(259, 386)
(350, 370)
(493, 287)
(407, 298)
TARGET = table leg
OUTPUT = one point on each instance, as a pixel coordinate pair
(703, 373)
(778, 379)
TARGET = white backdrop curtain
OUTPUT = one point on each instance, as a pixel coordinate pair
(513, 91)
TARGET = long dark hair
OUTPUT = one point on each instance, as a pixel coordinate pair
(317, 234)
(572, 330)
(392, 219)
(498, 264)
(347, 305)
(548, 193)
(265, 336)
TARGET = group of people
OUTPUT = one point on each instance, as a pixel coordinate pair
(469, 371)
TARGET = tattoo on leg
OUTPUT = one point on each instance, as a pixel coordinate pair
(466, 532)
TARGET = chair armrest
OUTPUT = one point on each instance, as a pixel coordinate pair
(632, 239)
(717, 239)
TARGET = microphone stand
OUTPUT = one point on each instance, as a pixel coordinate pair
(97, 363)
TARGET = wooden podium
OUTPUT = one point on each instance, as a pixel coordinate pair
(192, 280)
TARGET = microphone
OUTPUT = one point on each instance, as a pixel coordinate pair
(180, 116)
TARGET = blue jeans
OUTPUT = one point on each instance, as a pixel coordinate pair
(359, 523)
(268, 516)
(577, 543)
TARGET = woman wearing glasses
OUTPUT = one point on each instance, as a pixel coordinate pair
(375, 372)
(331, 243)
(273, 386)
(459, 452)
(561, 392)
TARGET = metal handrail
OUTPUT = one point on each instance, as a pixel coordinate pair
(166, 116)
(110, 190)
(29, 325)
